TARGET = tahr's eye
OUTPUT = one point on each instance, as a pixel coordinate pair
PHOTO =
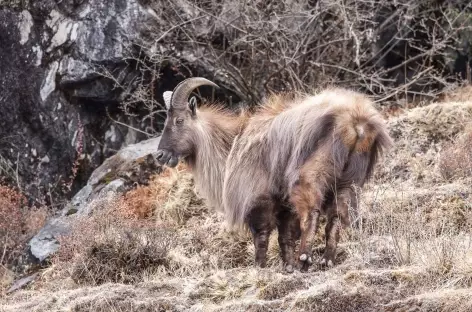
(179, 121)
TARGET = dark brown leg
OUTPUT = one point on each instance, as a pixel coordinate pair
(288, 227)
(261, 222)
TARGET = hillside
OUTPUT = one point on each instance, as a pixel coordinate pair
(89, 221)
(158, 248)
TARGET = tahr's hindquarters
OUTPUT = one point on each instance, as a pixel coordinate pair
(318, 166)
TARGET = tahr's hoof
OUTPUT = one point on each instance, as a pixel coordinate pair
(306, 258)
(289, 268)
(324, 262)
(305, 261)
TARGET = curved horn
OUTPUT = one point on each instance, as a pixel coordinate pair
(185, 88)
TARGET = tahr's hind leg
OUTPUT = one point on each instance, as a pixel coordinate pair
(288, 226)
(337, 218)
(307, 200)
(354, 218)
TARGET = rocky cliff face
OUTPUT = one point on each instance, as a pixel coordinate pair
(67, 67)
(52, 96)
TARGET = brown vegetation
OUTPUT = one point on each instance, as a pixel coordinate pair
(18, 223)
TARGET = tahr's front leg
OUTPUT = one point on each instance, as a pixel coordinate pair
(288, 226)
(261, 221)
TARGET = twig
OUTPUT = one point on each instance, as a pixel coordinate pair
(125, 125)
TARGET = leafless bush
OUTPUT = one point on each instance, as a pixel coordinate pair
(390, 50)
(252, 48)
(123, 255)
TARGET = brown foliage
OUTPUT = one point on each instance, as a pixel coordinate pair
(141, 202)
(18, 223)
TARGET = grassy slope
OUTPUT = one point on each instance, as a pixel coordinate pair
(413, 251)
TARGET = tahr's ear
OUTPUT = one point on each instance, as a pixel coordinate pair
(192, 104)
(167, 96)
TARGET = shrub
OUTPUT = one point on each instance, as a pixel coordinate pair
(167, 197)
(122, 255)
(108, 247)
(18, 223)
(386, 49)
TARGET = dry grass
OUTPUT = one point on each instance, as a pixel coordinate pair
(462, 93)
(106, 247)
(413, 249)
(162, 229)
(145, 201)
(456, 157)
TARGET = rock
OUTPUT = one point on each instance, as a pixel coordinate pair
(79, 200)
(67, 67)
(45, 242)
(127, 162)
(132, 164)
(53, 93)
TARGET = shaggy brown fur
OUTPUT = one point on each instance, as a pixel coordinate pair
(283, 165)
(215, 130)
(300, 151)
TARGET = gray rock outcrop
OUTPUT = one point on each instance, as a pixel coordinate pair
(52, 97)
(133, 164)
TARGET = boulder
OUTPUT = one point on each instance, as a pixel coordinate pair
(132, 165)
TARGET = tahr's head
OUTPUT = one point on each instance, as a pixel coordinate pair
(177, 140)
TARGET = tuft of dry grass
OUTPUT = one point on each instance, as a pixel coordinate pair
(142, 201)
(106, 247)
(281, 286)
(123, 255)
(456, 157)
(461, 93)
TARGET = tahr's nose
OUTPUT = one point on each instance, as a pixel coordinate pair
(162, 156)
